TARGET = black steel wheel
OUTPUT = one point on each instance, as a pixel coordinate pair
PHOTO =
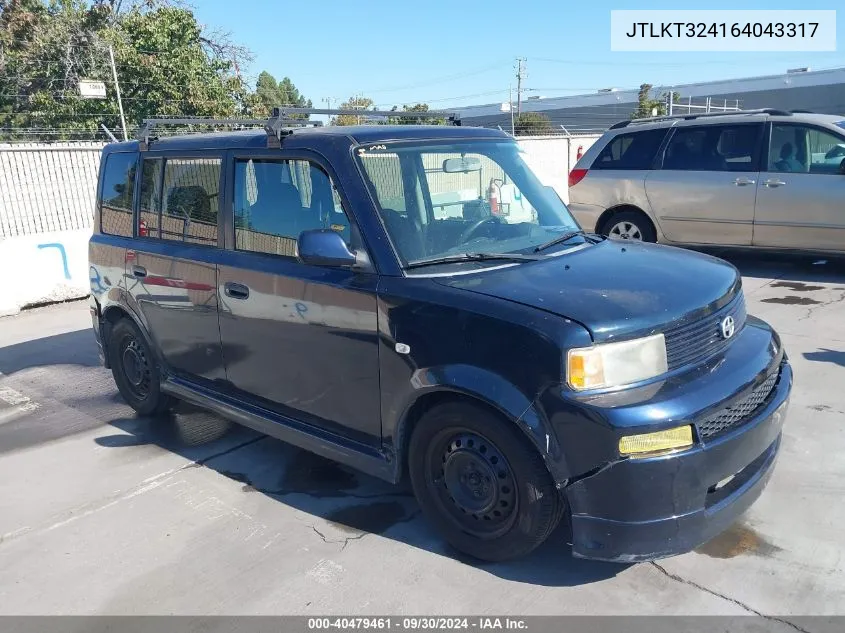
(472, 482)
(481, 483)
(135, 370)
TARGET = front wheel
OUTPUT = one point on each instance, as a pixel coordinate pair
(481, 483)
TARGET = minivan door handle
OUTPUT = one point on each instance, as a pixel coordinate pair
(235, 290)
(741, 182)
(773, 182)
(139, 271)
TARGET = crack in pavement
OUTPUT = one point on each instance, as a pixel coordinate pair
(822, 305)
(740, 604)
(345, 541)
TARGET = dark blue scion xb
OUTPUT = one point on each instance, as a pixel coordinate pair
(411, 301)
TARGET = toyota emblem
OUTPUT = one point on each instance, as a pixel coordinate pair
(728, 327)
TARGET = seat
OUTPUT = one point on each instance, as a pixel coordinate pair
(277, 209)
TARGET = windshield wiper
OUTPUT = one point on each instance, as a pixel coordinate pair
(565, 238)
(471, 257)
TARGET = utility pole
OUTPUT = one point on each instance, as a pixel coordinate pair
(520, 73)
(510, 108)
(117, 90)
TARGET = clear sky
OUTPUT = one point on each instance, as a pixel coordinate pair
(462, 52)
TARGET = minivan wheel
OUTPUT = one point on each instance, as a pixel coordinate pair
(134, 369)
(629, 225)
(480, 482)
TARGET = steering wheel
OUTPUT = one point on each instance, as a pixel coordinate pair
(473, 229)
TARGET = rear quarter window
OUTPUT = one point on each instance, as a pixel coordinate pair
(633, 151)
(118, 187)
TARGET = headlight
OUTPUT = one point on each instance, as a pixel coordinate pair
(616, 364)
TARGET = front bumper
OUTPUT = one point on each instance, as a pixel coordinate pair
(670, 504)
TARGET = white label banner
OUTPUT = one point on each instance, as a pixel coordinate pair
(722, 30)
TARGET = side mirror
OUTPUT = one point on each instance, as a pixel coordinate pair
(325, 247)
(842, 167)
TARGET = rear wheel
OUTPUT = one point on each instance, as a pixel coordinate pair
(480, 482)
(135, 370)
(629, 225)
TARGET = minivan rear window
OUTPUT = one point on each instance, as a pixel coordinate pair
(635, 150)
(117, 192)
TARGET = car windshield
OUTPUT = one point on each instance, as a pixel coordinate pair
(841, 124)
(439, 200)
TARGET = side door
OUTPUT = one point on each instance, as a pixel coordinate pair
(300, 340)
(704, 192)
(172, 271)
(801, 195)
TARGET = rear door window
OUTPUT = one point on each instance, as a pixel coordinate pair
(633, 151)
(714, 148)
(191, 200)
(117, 193)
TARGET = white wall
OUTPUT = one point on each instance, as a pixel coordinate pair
(553, 157)
(44, 267)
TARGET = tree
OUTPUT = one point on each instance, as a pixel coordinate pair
(270, 93)
(648, 107)
(422, 120)
(167, 64)
(353, 103)
(532, 123)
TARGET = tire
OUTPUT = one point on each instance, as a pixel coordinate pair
(135, 370)
(632, 223)
(456, 451)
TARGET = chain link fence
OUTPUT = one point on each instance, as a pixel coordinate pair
(47, 187)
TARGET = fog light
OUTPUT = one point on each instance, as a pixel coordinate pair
(657, 442)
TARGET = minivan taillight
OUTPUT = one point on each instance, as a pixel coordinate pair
(576, 176)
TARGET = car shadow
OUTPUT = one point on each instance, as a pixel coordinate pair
(351, 503)
(70, 348)
(825, 355)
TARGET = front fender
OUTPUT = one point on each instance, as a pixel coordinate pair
(487, 388)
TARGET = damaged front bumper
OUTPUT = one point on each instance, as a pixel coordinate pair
(640, 509)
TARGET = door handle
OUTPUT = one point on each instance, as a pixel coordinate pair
(741, 182)
(235, 290)
(139, 271)
(773, 182)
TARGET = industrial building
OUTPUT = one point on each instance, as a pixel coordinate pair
(821, 91)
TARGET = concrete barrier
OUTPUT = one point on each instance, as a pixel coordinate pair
(43, 268)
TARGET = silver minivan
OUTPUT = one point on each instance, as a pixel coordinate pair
(764, 178)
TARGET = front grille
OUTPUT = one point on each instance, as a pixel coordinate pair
(689, 343)
(738, 412)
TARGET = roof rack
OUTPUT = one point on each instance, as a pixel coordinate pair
(145, 133)
(284, 120)
(674, 117)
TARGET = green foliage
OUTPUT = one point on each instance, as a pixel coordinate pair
(422, 120)
(353, 103)
(167, 64)
(648, 107)
(532, 123)
(270, 93)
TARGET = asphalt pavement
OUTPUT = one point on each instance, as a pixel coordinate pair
(105, 513)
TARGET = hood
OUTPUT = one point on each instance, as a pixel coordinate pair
(615, 289)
